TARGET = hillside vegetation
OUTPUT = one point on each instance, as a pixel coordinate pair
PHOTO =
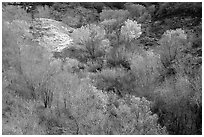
(101, 68)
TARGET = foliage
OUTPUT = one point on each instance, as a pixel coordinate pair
(109, 25)
(93, 115)
(69, 20)
(91, 41)
(131, 30)
(88, 32)
(88, 16)
(93, 110)
(73, 15)
(132, 116)
(186, 9)
(43, 12)
(175, 107)
(145, 67)
(174, 103)
(118, 57)
(172, 45)
(196, 84)
(13, 12)
(192, 61)
(123, 39)
(108, 81)
(9, 51)
(135, 10)
(139, 80)
(119, 15)
(112, 21)
(171, 15)
(17, 115)
(31, 63)
(88, 108)
(82, 101)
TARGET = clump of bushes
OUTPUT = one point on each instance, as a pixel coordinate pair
(95, 112)
(106, 82)
(173, 103)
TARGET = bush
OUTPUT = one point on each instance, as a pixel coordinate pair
(30, 62)
(132, 116)
(109, 25)
(118, 57)
(11, 13)
(114, 14)
(109, 80)
(172, 45)
(17, 115)
(135, 10)
(175, 108)
(73, 14)
(140, 79)
(92, 110)
(174, 97)
(82, 101)
(144, 67)
(131, 30)
(10, 49)
(43, 12)
(123, 40)
(90, 41)
(132, 90)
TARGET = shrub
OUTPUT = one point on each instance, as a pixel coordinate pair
(144, 67)
(174, 102)
(172, 45)
(10, 50)
(30, 62)
(175, 108)
(88, 108)
(18, 117)
(140, 78)
(118, 57)
(131, 30)
(88, 32)
(38, 69)
(109, 25)
(62, 84)
(71, 21)
(172, 42)
(90, 40)
(109, 80)
(114, 14)
(11, 13)
(123, 39)
(135, 10)
(73, 14)
(196, 85)
(112, 22)
(88, 16)
(192, 60)
(132, 116)
(84, 103)
(43, 12)
(146, 61)
(95, 112)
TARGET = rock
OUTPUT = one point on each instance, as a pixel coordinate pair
(52, 34)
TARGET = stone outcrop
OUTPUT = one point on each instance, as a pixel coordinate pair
(51, 34)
